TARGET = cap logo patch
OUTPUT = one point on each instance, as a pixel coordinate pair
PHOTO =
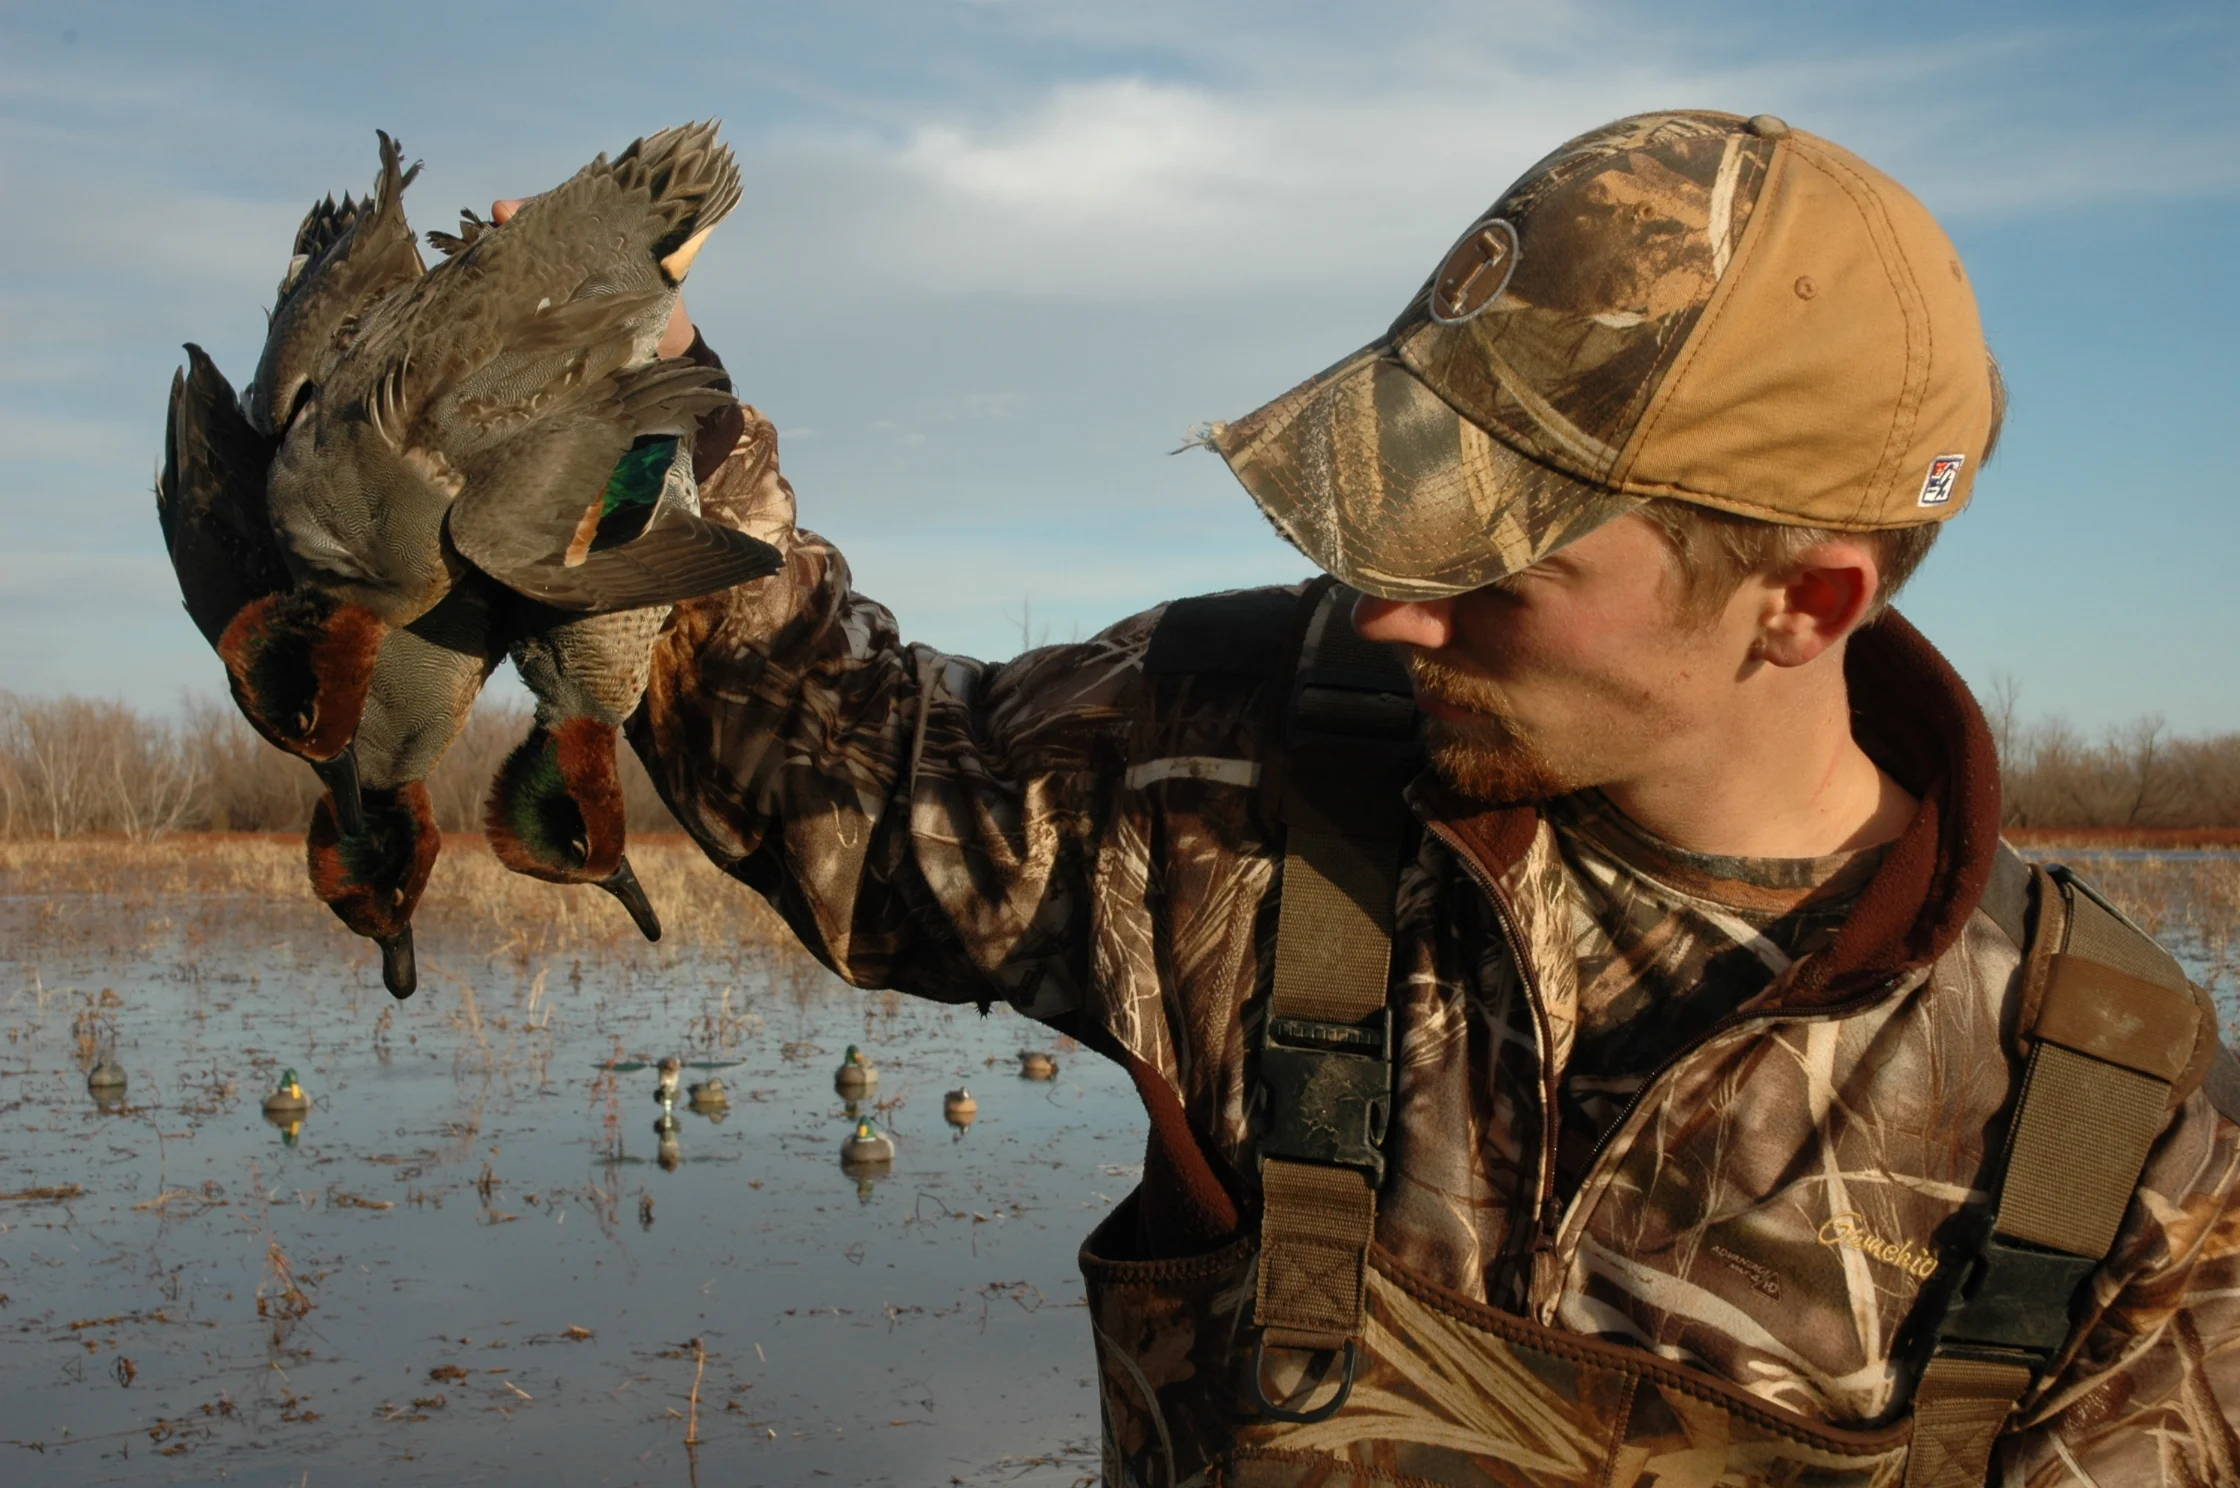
(1944, 473)
(1474, 272)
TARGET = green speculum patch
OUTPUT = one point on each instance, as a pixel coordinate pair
(633, 489)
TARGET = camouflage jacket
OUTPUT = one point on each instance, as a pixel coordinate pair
(1767, 1210)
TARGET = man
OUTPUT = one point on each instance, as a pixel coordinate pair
(1636, 1094)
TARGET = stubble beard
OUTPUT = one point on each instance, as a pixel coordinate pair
(1491, 757)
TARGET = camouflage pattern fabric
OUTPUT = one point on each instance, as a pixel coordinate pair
(1767, 1214)
(1445, 1392)
(1669, 942)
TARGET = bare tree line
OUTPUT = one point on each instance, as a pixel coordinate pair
(70, 766)
(2136, 774)
(73, 765)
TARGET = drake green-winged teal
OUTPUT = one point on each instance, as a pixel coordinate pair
(298, 665)
(556, 808)
(666, 1075)
(483, 410)
(423, 686)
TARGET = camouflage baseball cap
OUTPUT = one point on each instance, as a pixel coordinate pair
(1693, 305)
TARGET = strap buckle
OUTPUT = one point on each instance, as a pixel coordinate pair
(1328, 1092)
(1308, 1417)
(2015, 1302)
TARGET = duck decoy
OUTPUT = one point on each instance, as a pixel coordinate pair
(867, 1146)
(106, 1080)
(709, 1095)
(666, 1076)
(856, 1076)
(1034, 1064)
(959, 1109)
(482, 412)
(288, 1097)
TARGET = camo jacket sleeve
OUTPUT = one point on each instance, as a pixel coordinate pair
(2151, 1390)
(922, 821)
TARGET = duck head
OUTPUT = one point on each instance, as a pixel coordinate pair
(372, 879)
(555, 813)
(299, 665)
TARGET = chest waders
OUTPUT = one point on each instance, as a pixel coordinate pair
(1301, 1354)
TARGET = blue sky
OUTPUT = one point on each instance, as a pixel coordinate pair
(995, 257)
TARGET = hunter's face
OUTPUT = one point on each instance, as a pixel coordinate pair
(1579, 671)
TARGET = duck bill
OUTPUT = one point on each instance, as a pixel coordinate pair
(624, 885)
(400, 972)
(340, 776)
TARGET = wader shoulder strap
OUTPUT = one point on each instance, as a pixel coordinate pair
(2117, 1037)
(1325, 1074)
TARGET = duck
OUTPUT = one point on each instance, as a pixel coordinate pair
(709, 1095)
(106, 1080)
(1034, 1064)
(555, 810)
(423, 689)
(959, 1109)
(298, 665)
(665, 1088)
(857, 1076)
(486, 411)
(867, 1146)
(288, 1096)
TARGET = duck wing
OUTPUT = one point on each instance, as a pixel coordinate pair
(346, 258)
(210, 499)
(571, 511)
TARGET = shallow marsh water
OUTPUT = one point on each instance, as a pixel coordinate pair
(469, 1262)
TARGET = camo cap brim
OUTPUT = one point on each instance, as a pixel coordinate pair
(1371, 475)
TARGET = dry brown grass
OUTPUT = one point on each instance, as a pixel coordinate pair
(220, 886)
(2191, 904)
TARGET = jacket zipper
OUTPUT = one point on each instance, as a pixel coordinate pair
(1548, 1224)
(1543, 1243)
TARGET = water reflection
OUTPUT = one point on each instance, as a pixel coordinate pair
(288, 1123)
(667, 1153)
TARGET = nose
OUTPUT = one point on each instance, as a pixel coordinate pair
(1428, 623)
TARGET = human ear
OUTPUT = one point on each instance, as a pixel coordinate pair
(1816, 601)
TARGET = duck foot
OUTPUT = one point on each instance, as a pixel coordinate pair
(624, 885)
(399, 972)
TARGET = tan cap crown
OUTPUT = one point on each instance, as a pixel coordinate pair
(1691, 305)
